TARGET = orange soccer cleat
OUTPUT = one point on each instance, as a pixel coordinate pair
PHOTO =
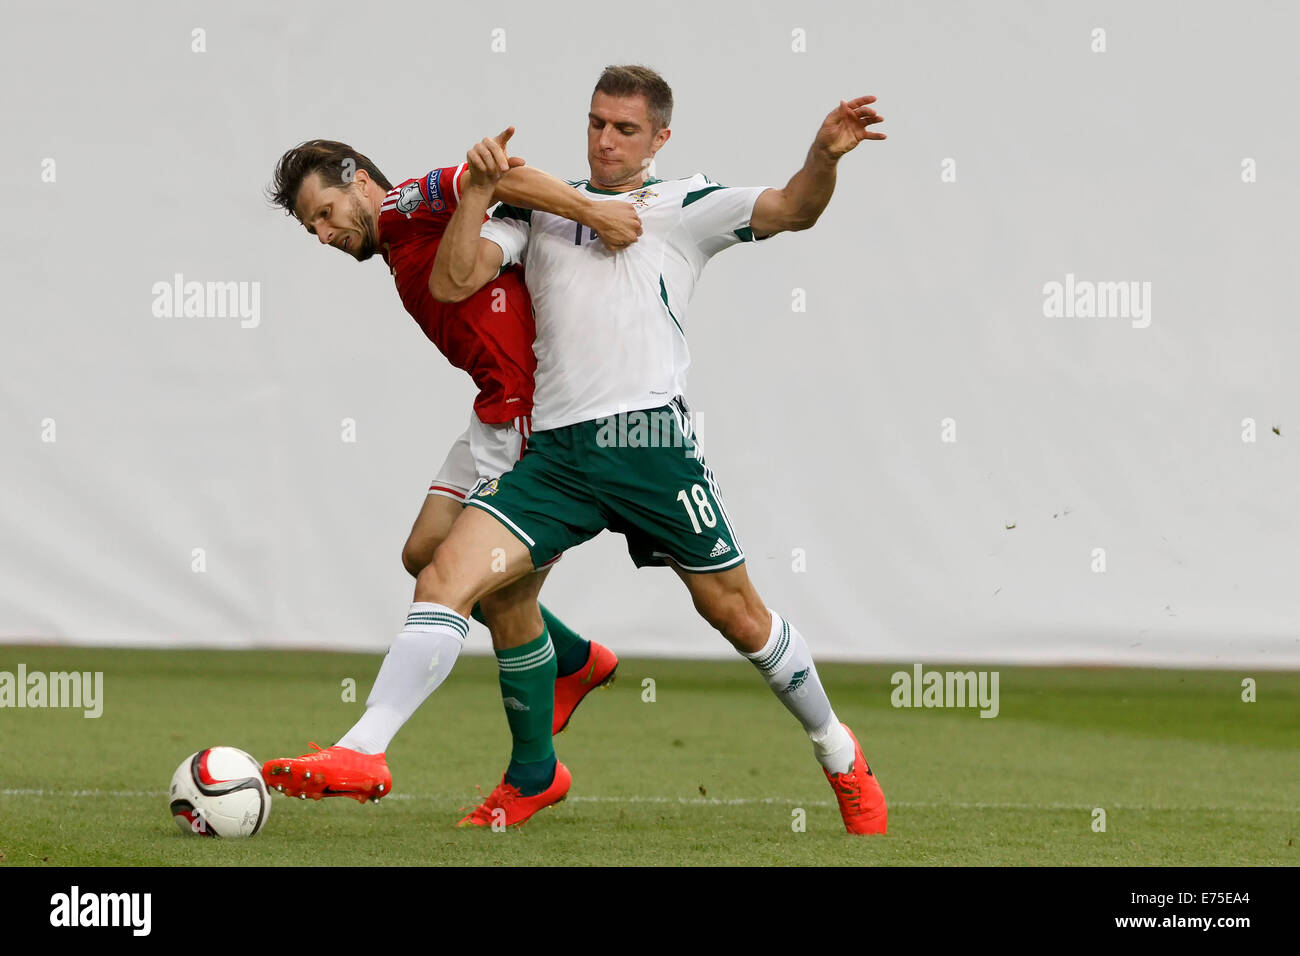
(571, 689)
(505, 806)
(332, 772)
(862, 802)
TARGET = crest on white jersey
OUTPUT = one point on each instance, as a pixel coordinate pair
(641, 197)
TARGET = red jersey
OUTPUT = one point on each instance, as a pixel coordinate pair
(490, 334)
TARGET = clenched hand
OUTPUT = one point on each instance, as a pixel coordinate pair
(616, 223)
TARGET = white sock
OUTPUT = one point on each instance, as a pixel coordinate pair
(787, 665)
(420, 659)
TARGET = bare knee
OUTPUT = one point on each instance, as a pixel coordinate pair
(438, 583)
(430, 529)
(417, 553)
(741, 618)
(461, 573)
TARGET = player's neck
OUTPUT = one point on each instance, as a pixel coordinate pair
(635, 181)
(374, 198)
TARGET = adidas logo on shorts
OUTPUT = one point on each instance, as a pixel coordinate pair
(719, 549)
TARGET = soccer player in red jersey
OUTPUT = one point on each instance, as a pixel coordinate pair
(343, 199)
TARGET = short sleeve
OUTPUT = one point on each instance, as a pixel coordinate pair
(508, 228)
(440, 188)
(718, 216)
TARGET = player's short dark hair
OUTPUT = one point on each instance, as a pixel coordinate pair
(335, 162)
(630, 80)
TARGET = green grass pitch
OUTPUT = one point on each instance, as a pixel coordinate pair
(711, 772)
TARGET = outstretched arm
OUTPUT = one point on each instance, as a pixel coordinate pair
(805, 196)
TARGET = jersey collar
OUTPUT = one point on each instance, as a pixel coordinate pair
(615, 192)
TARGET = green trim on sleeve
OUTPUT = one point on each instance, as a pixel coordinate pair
(699, 194)
(506, 211)
(745, 234)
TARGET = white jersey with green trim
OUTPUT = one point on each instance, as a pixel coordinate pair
(611, 325)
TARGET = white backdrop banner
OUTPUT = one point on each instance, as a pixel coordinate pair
(1027, 392)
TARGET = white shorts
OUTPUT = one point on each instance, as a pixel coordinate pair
(483, 451)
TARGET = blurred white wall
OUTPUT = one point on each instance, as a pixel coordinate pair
(1017, 155)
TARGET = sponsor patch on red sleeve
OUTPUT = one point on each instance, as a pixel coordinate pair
(433, 190)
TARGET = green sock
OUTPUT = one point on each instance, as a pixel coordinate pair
(527, 676)
(531, 778)
(571, 651)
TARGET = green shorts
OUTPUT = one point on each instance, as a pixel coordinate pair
(639, 474)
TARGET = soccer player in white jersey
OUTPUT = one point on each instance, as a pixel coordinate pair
(612, 359)
(612, 445)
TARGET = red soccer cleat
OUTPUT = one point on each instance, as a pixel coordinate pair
(332, 772)
(862, 802)
(506, 807)
(571, 689)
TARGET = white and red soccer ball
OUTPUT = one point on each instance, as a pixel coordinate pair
(219, 792)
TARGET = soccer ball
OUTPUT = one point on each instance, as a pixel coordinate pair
(219, 792)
